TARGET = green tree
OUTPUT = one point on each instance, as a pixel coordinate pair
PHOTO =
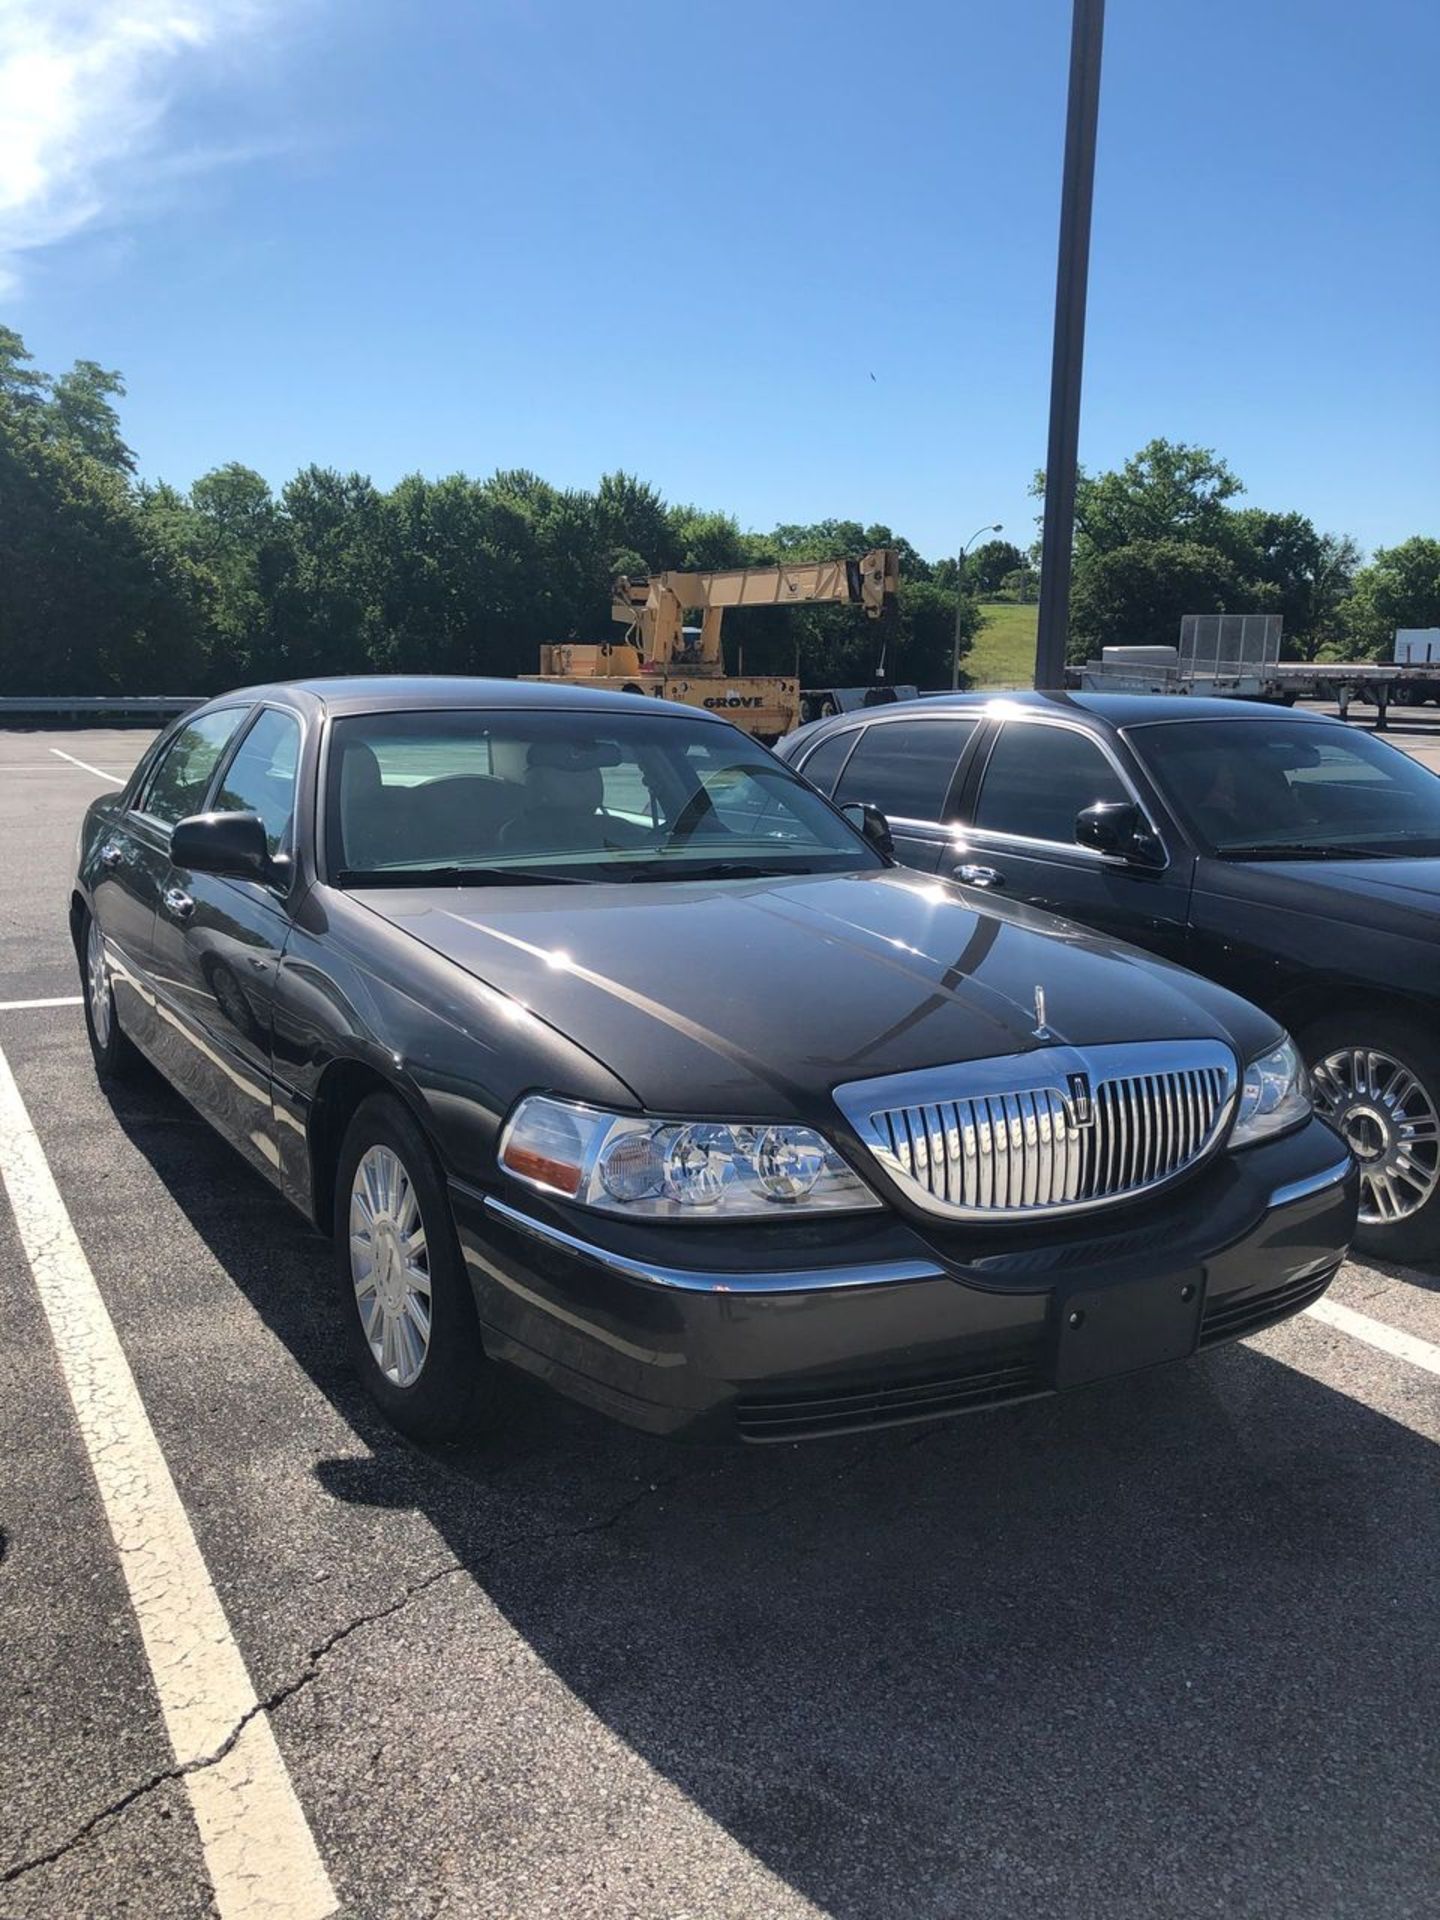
(94, 598)
(82, 411)
(20, 382)
(634, 525)
(1399, 588)
(231, 525)
(1291, 569)
(987, 566)
(1137, 594)
(1166, 491)
(328, 602)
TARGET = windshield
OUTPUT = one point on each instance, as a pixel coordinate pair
(1287, 788)
(518, 796)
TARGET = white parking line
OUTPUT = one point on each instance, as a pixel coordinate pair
(118, 778)
(259, 1851)
(27, 1006)
(1375, 1333)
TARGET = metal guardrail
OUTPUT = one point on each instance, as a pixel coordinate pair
(74, 706)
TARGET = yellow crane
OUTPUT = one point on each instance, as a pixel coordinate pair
(662, 656)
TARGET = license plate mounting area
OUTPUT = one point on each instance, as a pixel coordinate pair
(1103, 1331)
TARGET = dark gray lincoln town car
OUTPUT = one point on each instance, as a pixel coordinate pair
(606, 1048)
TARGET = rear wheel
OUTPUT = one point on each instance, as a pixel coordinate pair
(115, 1054)
(409, 1311)
(1377, 1081)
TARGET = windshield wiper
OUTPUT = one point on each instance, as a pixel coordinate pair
(1303, 849)
(454, 877)
(711, 870)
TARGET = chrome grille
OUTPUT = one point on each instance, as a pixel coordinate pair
(1057, 1130)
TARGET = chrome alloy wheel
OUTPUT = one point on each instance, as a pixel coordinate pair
(1389, 1120)
(97, 985)
(390, 1265)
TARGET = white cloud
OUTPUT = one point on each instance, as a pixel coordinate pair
(84, 90)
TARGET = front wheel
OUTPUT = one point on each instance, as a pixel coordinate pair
(114, 1052)
(409, 1311)
(1377, 1081)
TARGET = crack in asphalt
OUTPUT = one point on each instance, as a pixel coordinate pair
(289, 1688)
(276, 1698)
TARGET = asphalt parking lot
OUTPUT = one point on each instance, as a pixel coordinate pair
(1164, 1647)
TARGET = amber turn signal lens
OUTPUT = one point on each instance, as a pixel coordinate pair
(535, 1166)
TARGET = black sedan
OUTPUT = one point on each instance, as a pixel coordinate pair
(608, 1049)
(1283, 854)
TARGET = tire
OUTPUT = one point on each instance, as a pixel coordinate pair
(116, 1056)
(437, 1384)
(1377, 1079)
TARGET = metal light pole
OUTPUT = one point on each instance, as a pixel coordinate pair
(1076, 195)
(960, 600)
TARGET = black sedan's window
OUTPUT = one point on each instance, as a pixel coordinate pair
(261, 777)
(182, 777)
(1039, 777)
(821, 765)
(905, 767)
(1267, 787)
(568, 795)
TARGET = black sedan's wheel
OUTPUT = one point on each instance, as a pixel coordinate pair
(407, 1302)
(1377, 1081)
(115, 1054)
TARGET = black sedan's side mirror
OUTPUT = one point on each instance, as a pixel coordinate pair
(1118, 827)
(234, 844)
(871, 822)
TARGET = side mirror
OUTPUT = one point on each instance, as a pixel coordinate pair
(234, 844)
(1118, 828)
(872, 824)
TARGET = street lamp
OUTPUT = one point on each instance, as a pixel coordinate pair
(960, 599)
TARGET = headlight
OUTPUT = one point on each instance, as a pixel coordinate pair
(1274, 1096)
(676, 1169)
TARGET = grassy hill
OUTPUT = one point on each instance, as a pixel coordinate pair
(1004, 650)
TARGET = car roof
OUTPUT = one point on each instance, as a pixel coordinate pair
(1117, 710)
(411, 692)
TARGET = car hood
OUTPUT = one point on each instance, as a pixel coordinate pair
(756, 998)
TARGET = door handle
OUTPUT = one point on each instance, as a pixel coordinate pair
(974, 876)
(112, 857)
(179, 903)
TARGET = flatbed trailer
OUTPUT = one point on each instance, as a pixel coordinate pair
(1376, 682)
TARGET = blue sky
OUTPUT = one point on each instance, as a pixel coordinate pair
(681, 238)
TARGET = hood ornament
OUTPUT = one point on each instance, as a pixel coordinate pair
(1042, 1032)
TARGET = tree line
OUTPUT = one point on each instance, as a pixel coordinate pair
(109, 584)
(1161, 536)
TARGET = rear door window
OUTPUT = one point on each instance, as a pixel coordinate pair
(825, 761)
(905, 767)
